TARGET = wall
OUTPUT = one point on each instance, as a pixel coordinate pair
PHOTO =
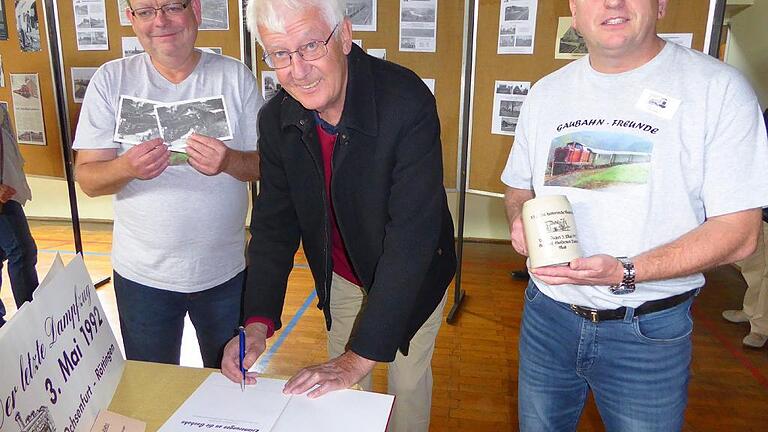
(748, 47)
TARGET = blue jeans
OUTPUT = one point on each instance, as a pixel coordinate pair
(637, 368)
(18, 247)
(152, 320)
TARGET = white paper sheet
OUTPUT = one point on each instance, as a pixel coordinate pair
(220, 404)
(517, 26)
(508, 97)
(418, 25)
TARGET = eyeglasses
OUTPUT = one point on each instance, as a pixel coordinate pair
(149, 13)
(310, 51)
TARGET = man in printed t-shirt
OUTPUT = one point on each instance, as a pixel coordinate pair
(644, 138)
(179, 237)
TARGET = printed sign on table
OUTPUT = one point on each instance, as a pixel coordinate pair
(61, 362)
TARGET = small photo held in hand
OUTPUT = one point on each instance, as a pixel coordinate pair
(136, 121)
(205, 116)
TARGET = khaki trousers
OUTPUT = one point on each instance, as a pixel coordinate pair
(755, 272)
(409, 377)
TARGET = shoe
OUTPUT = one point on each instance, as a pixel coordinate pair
(754, 340)
(735, 316)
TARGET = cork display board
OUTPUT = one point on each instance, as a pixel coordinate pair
(42, 160)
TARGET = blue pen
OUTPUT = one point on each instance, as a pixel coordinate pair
(241, 331)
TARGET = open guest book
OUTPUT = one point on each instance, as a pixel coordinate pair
(219, 404)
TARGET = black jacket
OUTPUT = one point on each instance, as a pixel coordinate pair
(388, 196)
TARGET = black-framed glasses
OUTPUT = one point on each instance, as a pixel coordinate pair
(311, 50)
(149, 13)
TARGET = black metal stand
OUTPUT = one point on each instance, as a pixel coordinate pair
(469, 61)
(66, 133)
(717, 28)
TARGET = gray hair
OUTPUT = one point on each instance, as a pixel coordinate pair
(264, 13)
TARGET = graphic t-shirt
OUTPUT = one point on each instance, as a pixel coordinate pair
(180, 231)
(643, 156)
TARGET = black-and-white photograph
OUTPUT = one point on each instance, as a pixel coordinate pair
(81, 10)
(207, 116)
(122, 5)
(90, 22)
(508, 124)
(510, 108)
(518, 88)
(516, 13)
(508, 28)
(215, 15)
(27, 25)
(131, 46)
(572, 42)
(507, 40)
(99, 38)
(569, 44)
(84, 38)
(523, 40)
(81, 77)
(362, 13)
(408, 43)
(269, 84)
(418, 15)
(3, 22)
(136, 121)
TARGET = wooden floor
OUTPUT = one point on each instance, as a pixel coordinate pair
(475, 362)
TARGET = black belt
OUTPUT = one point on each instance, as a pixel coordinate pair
(595, 315)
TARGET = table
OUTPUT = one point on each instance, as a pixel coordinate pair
(151, 392)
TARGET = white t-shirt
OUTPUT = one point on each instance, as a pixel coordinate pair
(643, 156)
(181, 231)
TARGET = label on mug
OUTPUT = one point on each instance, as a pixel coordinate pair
(550, 231)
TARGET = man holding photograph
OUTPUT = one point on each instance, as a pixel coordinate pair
(178, 243)
(661, 152)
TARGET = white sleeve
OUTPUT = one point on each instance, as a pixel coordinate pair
(96, 124)
(736, 153)
(518, 172)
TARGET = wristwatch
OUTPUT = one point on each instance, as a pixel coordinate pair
(627, 284)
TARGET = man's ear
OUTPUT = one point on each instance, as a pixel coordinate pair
(346, 34)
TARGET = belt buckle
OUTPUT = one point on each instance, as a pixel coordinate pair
(588, 313)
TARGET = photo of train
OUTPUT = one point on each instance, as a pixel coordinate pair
(575, 156)
(598, 160)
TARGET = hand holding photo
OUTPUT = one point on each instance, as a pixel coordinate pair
(205, 116)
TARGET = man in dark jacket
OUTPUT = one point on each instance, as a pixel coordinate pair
(351, 168)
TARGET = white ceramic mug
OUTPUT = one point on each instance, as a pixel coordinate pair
(550, 231)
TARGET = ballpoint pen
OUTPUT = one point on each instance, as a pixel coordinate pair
(241, 331)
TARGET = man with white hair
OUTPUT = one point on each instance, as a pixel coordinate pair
(661, 130)
(179, 235)
(351, 167)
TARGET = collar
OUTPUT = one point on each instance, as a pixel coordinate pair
(331, 129)
(359, 104)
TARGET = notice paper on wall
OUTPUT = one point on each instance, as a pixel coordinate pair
(27, 109)
(508, 97)
(517, 26)
(90, 25)
(418, 25)
(61, 362)
(219, 404)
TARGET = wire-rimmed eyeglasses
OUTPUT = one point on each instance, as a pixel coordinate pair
(149, 13)
(311, 50)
